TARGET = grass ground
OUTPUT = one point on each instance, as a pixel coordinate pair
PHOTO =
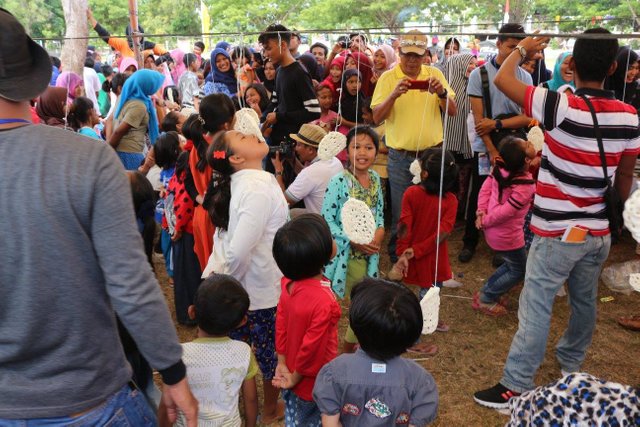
(473, 352)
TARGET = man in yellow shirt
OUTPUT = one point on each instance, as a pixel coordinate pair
(412, 116)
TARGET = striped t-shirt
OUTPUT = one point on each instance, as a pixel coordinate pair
(571, 186)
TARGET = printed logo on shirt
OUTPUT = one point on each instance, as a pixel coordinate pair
(377, 408)
(403, 418)
(350, 409)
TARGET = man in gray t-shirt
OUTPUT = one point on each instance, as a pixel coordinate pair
(483, 147)
(72, 258)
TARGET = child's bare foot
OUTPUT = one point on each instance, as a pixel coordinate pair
(442, 327)
(278, 415)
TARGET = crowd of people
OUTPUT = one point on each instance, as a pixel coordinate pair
(227, 153)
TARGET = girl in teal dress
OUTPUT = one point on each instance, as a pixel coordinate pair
(353, 261)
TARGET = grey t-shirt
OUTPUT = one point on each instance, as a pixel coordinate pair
(71, 255)
(367, 392)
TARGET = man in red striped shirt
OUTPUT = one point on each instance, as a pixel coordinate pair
(569, 193)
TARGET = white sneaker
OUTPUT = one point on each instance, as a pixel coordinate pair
(451, 283)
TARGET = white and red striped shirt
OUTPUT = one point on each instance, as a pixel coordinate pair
(571, 183)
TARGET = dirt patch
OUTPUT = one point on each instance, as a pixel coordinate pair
(473, 352)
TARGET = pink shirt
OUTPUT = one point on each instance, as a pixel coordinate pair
(504, 220)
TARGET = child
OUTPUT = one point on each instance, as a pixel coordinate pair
(308, 314)
(351, 97)
(188, 83)
(503, 203)
(186, 268)
(418, 227)
(327, 120)
(375, 386)
(241, 58)
(334, 79)
(83, 117)
(354, 261)
(256, 97)
(247, 207)
(216, 114)
(166, 150)
(217, 366)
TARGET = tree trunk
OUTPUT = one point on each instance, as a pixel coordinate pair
(74, 51)
(519, 11)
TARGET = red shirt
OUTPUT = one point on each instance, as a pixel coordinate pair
(183, 205)
(419, 219)
(307, 329)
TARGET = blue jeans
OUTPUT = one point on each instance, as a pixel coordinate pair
(399, 180)
(551, 262)
(125, 408)
(299, 412)
(509, 274)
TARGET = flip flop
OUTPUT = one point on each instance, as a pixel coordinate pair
(632, 323)
(424, 349)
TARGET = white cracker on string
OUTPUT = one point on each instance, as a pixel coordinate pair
(634, 281)
(536, 137)
(248, 122)
(430, 306)
(358, 222)
(415, 170)
(631, 215)
(330, 145)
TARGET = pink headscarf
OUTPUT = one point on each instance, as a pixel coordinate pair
(389, 54)
(127, 62)
(168, 80)
(70, 81)
(178, 64)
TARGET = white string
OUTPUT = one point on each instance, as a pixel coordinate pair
(344, 66)
(444, 151)
(624, 75)
(237, 71)
(355, 135)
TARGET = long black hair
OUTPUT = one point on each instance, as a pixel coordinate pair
(513, 160)
(430, 162)
(218, 196)
(79, 112)
(144, 203)
(216, 110)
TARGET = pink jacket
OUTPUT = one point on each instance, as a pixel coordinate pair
(504, 220)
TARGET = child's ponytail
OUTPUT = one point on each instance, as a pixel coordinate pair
(192, 129)
(430, 162)
(79, 112)
(513, 160)
(218, 196)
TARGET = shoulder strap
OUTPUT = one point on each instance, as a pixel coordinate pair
(486, 94)
(596, 128)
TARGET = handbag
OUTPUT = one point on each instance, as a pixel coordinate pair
(613, 204)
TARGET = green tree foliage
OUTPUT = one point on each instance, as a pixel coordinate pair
(41, 18)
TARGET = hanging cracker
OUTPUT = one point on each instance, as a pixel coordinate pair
(536, 137)
(631, 215)
(332, 144)
(430, 306)
(415, 170)
(358, 222)
(248, 122)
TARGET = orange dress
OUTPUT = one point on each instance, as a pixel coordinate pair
(203, 228)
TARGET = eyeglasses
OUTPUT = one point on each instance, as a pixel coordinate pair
(417, 43)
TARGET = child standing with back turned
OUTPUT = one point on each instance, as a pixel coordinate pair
(308, 314)
(376, 387)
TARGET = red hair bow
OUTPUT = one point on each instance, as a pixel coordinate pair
(219, 154)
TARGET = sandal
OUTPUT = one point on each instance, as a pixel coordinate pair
(493, 310)
(632, 323)
(424, 349)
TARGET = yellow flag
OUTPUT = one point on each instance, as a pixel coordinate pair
(204, 16)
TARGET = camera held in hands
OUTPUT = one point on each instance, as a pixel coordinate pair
(285, 148)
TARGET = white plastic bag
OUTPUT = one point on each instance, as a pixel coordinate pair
(617, 276)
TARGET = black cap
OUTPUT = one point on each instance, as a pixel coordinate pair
(25, 67)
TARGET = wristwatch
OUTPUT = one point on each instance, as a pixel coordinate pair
(444, 94)
(522, 51)
(498, 124)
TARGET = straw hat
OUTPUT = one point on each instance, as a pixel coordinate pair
(309, 135)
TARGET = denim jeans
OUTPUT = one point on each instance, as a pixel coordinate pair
(551, 262)
(399, 180)
(509, 274)
(126, 408)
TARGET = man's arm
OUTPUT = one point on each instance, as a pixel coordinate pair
(382, 110)
(507, 78)
(624, 176)
(477, 108)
